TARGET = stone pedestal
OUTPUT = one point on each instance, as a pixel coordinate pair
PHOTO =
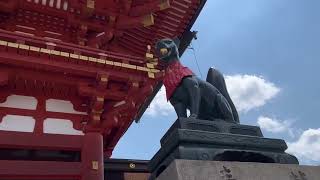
(195, 139)
(214, 170)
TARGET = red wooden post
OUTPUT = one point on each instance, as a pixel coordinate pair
(92, 157)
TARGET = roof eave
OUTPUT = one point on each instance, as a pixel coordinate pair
(185, 41)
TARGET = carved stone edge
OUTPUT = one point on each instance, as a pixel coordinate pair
(224, 127)
(224, 139)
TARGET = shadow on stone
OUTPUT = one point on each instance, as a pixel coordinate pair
(160, 170)
(243, 156)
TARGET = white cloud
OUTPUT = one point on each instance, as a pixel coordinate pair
(307, 147)
(250, 91)
(275, 125)
(160, 105)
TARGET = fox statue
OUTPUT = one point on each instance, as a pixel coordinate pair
(208, 100)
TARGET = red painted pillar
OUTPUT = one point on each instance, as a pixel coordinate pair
(92, 157)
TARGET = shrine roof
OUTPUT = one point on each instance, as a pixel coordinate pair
(118, 26)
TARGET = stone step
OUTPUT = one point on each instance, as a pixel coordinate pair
(218, 125)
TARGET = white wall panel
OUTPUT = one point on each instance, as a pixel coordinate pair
(60, 126)
(17, 123)
(55, 105)
(22, 102)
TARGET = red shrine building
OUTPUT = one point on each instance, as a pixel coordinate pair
(74, 75)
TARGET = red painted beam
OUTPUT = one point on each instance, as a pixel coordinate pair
(45, 76)
(64, 67)
(68, 46)
(87, 91)
(36, 170)
(21, 140)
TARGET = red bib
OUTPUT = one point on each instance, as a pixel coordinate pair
(174, 73)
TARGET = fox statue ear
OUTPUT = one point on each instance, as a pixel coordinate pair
(176, 41)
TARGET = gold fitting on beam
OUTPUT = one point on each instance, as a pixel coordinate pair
(3, 43)
(129, 66)
(54, 52)
(109, 62)
(96, 118)
(149, 65)
(164, 4)
(92, 59)
(104, 79)
(148, 20)
(151, 75)
(90, 4)
(101, 61)
(100, 99)
(143, 69)
(44, 50)
(117, 64)
(36, 49)
(64, 54)
(135, 84)
(75, 56)
(13, 45)
(85, 58)
(149, 56)
(155, 70)
(95, 165)
(23, 46)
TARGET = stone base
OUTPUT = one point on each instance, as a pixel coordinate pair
(195, 139)
(215, 170)
(218, 126)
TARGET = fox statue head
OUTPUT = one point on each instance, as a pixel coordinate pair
(167, 50)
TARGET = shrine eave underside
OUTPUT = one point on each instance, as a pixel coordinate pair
(125, 26)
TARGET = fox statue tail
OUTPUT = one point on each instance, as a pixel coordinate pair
(215, 78)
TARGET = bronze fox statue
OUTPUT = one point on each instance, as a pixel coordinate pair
(208, 100)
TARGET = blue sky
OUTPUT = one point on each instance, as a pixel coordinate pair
(269, 51)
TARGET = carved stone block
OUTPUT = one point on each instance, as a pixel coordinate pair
(214, 170)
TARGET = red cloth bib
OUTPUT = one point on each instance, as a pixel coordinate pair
(174, 73)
